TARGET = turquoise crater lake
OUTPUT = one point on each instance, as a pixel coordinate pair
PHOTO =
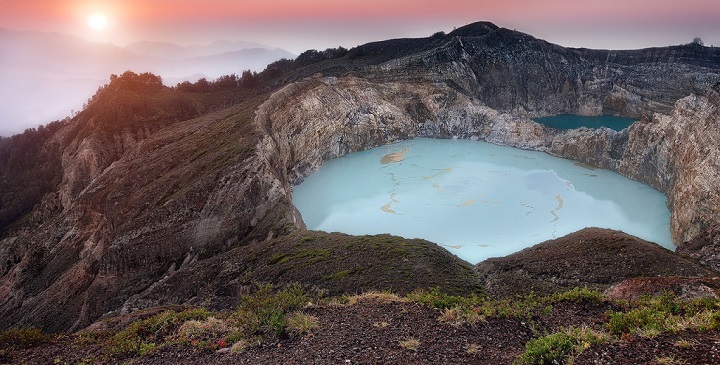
(476, 199)
(569, 121)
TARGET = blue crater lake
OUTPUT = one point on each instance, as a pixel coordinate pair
(476, 199)
(569, 121)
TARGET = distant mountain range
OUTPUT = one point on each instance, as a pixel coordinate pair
(45, 76)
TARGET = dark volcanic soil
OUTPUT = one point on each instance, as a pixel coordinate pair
(372, 330)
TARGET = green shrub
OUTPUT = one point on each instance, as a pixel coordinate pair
(522, 308)
(300, 323)
(665, 302)
(701, 304)
(557, 347)
(209, 334)
(714, 320)
(338, 275)
(264, 313)
(651, 315)
(578, 295)
(637, 321)
(434, 298)
(21, 338)
(146, 336)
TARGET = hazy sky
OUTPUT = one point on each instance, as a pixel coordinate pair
(297, 25)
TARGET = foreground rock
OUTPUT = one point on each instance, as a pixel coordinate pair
(684, 288)
(593, 257)
(704, 247)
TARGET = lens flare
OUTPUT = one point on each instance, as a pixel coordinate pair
(97, 21)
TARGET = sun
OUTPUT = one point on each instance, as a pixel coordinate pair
(97, 21)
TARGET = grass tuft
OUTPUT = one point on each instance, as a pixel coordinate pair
(264, 314)
(434, 298)
(558, 347)
(578, 295)
(383, 297)
(670, 360)
(410, 344)
(300, 323)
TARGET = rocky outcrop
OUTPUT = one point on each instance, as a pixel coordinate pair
(593, 257)
(705, 247)
(675, 153)
(683, 288)
(143, 199)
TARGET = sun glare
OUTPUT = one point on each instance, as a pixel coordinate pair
(97, 21)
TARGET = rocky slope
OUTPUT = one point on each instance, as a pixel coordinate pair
(592, 257)
(164, 180)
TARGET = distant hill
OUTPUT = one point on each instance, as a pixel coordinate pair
(173, 51)
(216, 65)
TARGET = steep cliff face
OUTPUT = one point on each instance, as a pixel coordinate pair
(139, 202)
(675, 153)
(167, 200)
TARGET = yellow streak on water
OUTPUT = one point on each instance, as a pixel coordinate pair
(559, 206)
(392, 197)
(444, 171)
(386, 208)
(394, 157)
(469, 202)
(489, 202)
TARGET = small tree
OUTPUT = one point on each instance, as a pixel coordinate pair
(698, 41)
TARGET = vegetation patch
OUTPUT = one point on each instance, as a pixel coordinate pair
(383, 297)
(312, 256)
(410, 344)
(264, 315)
(271, 317)
(148, 335)
(338, 275)
(649, 316)
(578, 295)
(21, 338)
(300, 323)
(434, 298)
(558, 347)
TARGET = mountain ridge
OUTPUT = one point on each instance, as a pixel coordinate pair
(154, 179)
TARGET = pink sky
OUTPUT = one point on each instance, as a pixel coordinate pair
(297, 25)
